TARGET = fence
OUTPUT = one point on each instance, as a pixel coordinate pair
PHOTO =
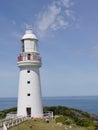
(12, 122)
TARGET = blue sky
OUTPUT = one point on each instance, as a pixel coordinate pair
(68, 44)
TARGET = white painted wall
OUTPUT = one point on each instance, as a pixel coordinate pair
(34, 88)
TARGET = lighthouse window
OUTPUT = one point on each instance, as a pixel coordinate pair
(28, 94)
(28, 71)
(29, 56)
(28, 82)
(22, 47)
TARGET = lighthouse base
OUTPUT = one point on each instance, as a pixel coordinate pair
(28, 112)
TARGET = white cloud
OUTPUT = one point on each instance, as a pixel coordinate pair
(54, 17)
(70, 13)
(67, 3)
(48, 17)
(60, 23)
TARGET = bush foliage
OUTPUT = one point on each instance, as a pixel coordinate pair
(79, 117)
(4, 112)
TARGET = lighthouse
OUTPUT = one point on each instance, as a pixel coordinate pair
(29, 91)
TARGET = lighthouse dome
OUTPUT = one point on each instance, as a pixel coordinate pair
(29, 35)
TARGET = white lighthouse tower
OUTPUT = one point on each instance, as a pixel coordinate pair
(29, 93)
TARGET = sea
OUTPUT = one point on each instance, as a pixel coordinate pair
(86, 103)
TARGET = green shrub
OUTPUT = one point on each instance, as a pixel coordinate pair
(68, 122)
(91, 128)
(84, 122)
(96, 128)
(64, 120)
(4, 112)
(61, 119)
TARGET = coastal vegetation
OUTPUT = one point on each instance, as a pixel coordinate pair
(63, 116)
(3, 113)
(73, 116)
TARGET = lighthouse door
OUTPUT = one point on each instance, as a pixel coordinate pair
(28, 109)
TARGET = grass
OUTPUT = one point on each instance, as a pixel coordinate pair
(41, 125)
